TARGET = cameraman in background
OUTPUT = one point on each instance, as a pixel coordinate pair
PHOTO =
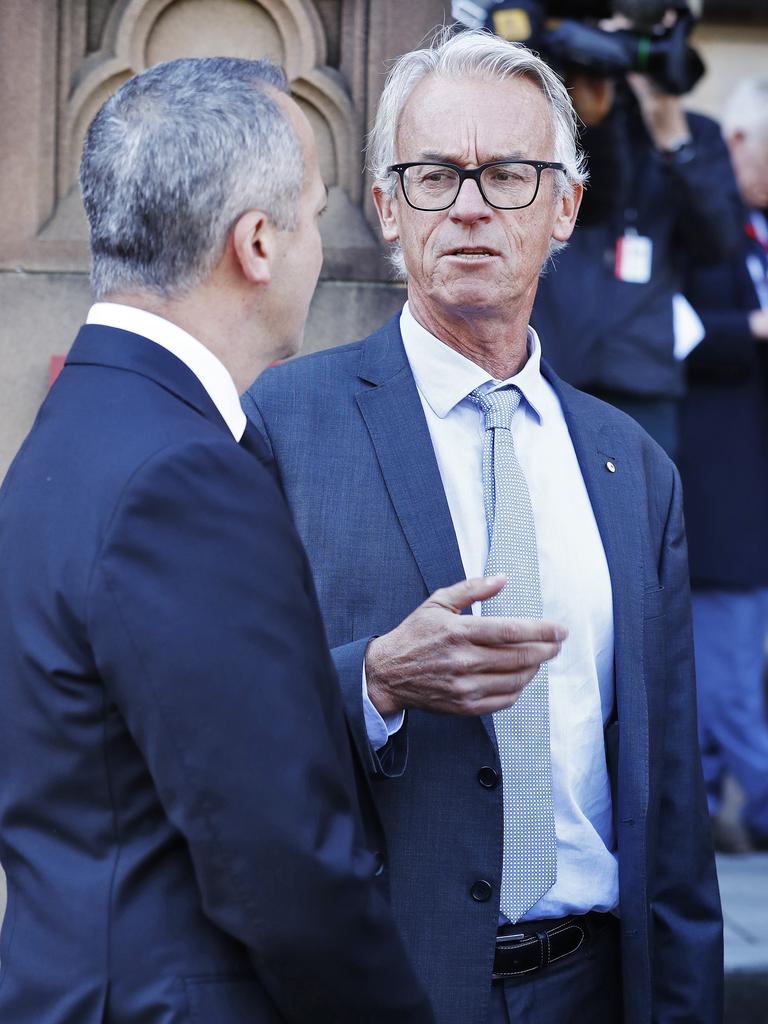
(661, 196)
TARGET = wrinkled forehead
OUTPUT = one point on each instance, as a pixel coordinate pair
(471, 118)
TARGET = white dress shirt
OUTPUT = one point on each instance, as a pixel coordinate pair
(575, 591)
(207, 367)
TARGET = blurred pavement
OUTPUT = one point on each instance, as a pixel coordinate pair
(744, 892)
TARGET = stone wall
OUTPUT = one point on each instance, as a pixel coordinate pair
(59, 61)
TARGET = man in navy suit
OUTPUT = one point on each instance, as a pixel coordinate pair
(539, 830)
(179, 806)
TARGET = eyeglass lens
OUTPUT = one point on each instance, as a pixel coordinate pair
(432, 187)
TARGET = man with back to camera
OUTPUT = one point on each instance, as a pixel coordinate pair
(441, 447)
(179, 817)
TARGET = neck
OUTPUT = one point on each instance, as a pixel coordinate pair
(496, 342)
(217, 324)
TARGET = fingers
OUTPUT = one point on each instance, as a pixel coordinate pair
(464, 593)
(482, 695)
(508, 659)
(492, 631)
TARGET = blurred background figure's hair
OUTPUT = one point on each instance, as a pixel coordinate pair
(746, 109)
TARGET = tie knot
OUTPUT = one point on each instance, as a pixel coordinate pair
(497, 407)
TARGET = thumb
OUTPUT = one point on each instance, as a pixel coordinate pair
(461, 595)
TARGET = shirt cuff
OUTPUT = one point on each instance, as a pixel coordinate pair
(379, 729)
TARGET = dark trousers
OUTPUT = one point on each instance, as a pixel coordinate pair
(585, 988)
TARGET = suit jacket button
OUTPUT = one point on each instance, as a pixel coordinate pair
(378, 861)
(488, 777)
(481, 891)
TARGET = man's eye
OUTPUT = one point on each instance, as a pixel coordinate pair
(503, 176)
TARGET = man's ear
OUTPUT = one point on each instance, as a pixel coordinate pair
(254, 246)
(568, 208)
(386, 207)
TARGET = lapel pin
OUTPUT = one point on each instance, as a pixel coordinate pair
(610, 466)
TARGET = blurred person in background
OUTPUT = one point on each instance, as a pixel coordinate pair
(661, 195)
(724, 464)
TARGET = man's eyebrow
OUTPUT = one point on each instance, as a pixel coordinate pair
(450, 158)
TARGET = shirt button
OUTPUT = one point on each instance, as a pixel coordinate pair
(488, 777)
(610, 467)
(481, 891)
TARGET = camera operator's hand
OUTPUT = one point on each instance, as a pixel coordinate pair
(592, 97)
(758, 324)
(662, 113)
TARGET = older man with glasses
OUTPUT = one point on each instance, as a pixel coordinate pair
(545, 815)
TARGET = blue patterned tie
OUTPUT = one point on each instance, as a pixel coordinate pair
(522, 731)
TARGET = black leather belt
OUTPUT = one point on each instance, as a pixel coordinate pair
(532, 945)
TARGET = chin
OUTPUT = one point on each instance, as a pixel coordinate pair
(470, 298)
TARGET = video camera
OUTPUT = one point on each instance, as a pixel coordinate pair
(561, 31)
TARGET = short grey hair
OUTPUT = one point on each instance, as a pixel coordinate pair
(747, 108)
(173, 159)
(473, 54)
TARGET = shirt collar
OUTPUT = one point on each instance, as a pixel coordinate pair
(207, 367)
(445, 377)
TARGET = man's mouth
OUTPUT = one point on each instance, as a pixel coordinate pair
(471, 252)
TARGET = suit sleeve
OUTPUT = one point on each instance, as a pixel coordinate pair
(686, 921)
(209, 639)
(390, 760)
(723, 296)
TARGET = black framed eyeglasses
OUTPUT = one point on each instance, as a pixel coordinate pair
(503, 184)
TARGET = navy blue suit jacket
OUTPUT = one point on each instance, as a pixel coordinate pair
(352, 447)
(724, 432)
(177, 806)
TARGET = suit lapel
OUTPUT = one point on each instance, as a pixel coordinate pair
(618, 499)
(393, 414)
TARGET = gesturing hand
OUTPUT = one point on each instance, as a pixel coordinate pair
(440, 660)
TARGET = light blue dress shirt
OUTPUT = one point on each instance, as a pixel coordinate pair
(575, 586)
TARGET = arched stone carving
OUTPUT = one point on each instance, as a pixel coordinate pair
(140, 33)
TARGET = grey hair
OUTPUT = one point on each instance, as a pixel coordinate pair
(171, 161)
(476, 54)
(747, 107)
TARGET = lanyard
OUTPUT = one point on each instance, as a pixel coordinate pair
(757, 262)
(757, 229)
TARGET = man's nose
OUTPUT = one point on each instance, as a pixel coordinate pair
(470, 205)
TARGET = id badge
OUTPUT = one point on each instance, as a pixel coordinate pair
(634, 258)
